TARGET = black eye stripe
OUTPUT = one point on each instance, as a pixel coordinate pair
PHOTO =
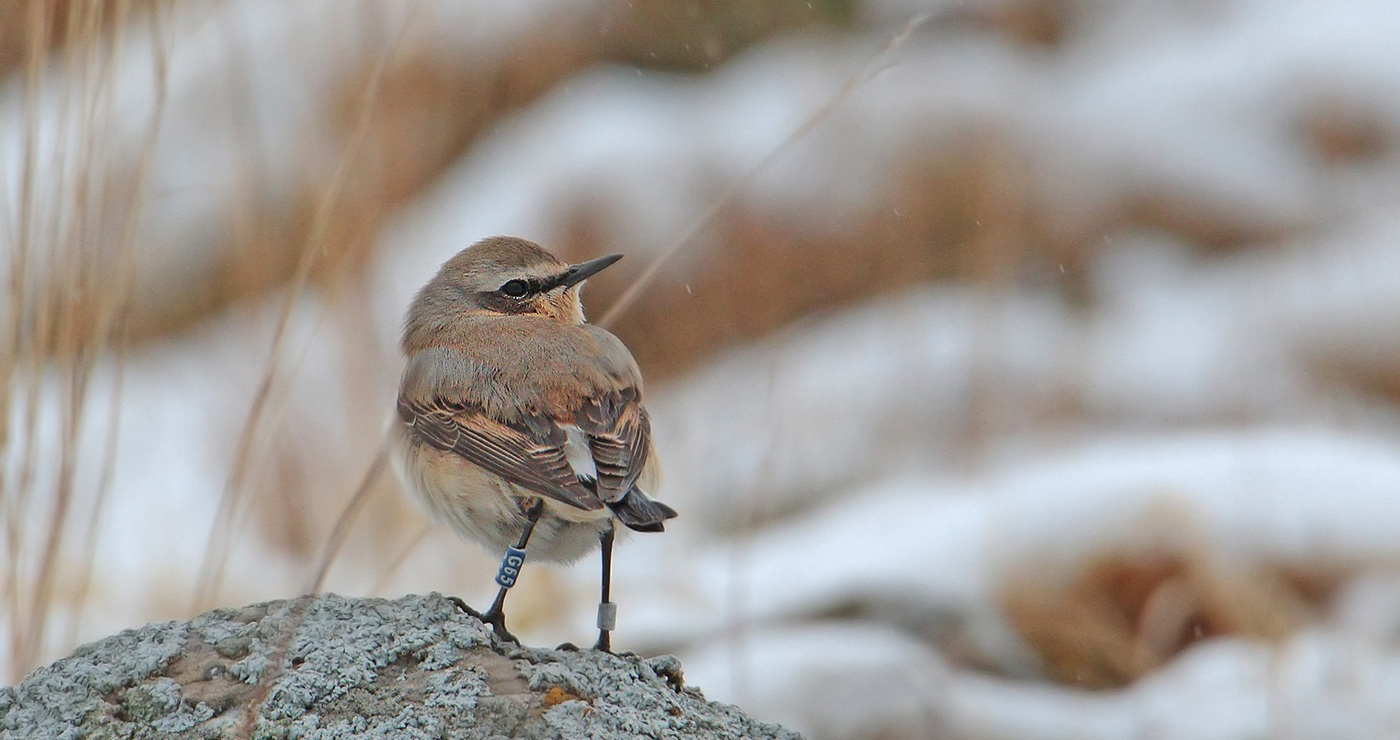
(530, 286)
(550, 283)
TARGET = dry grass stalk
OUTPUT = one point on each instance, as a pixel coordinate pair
(72, 254)
(732, 193)
(211, 572)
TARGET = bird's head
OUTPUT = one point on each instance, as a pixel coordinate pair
(505, 276)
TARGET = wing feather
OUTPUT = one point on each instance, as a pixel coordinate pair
(529, 453)
(619, 433)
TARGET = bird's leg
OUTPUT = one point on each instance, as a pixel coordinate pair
(506, 576)
(607, 610)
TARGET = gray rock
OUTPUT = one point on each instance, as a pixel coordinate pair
(334, 667)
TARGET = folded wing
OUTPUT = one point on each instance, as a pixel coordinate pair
(619, 436)
(529, 453)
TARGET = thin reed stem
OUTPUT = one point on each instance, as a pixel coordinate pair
(213, 564)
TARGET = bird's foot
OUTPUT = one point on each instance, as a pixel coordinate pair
(604, 643)
(494, 617)
(462, 606)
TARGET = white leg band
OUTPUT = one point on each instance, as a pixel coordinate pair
(607, 616)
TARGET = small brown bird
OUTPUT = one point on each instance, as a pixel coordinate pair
(520, 423)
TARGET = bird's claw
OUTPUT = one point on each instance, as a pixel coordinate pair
(493, 617)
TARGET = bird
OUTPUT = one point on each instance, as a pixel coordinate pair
(519, 424)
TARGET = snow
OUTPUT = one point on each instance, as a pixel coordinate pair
(836, 680)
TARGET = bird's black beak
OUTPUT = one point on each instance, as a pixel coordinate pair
(584, 270)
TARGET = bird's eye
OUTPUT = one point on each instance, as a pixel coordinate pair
(515, 289)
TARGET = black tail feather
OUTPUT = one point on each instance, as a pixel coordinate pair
(640, 513)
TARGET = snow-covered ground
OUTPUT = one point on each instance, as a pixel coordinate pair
(883, 503)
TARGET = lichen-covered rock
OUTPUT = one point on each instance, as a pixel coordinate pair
(334, 667)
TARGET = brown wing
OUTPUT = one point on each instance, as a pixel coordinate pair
(529, 453)
(619, 435)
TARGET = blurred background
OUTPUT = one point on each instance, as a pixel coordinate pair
(1021, 368)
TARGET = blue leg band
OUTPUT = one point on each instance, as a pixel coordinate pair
(510, 567)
